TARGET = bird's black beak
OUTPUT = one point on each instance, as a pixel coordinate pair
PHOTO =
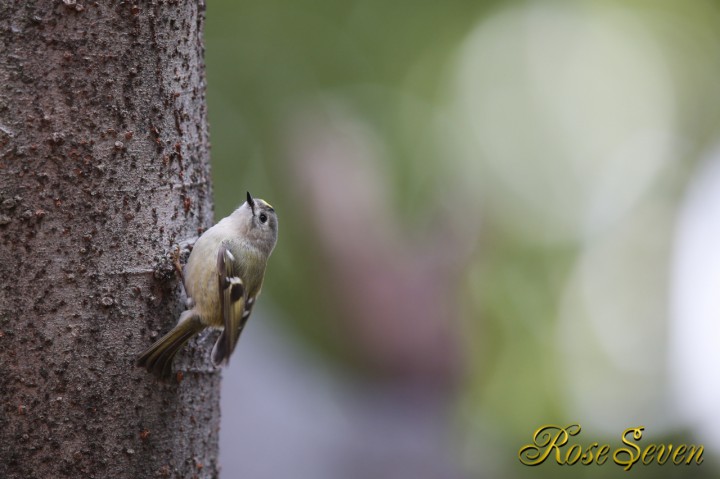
(251, 202)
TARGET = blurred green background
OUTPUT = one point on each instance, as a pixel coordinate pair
(482, 203)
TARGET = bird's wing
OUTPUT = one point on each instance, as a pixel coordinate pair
(232, 303)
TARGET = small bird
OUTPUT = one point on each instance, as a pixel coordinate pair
(223, 277)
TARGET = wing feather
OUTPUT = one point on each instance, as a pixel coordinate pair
(232, 303)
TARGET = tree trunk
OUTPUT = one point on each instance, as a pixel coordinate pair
(104, 166)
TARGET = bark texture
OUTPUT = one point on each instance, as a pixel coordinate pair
(104, 166)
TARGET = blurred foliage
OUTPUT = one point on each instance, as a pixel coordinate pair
(396, 67)
(267, 59)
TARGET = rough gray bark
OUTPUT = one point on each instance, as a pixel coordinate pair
(104, 166)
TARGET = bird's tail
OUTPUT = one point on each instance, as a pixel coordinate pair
(157, 359)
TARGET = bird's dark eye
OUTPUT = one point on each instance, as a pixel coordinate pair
(263, 217)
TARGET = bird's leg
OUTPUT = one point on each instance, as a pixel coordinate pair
(183, 249)
(177, 265)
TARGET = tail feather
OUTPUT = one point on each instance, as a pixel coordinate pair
(157, 359)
